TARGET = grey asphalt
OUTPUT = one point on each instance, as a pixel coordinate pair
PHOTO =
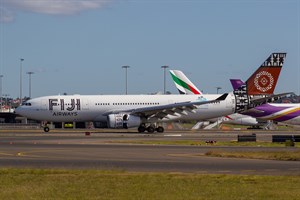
(100, 151)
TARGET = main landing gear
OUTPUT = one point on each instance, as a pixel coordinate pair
(150, 129)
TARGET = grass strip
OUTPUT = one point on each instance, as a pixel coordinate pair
(281, 155)
(98, 184)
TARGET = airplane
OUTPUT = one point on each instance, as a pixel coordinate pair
(147, 111)
(186, 86)
(286, 113)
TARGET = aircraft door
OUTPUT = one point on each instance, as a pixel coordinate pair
(44, 103)
(85, 104)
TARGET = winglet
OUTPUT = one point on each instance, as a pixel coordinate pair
(222, 97)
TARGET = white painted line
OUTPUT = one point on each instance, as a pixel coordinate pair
(173, 135)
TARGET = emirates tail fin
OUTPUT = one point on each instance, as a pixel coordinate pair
(183, 84)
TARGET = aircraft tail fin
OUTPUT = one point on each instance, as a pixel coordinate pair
(236, 83)
(183, 84)
(263, 81)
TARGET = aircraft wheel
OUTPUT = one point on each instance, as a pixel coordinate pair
(141, 129)
(150, 129)
(46, 129)
(160, 129)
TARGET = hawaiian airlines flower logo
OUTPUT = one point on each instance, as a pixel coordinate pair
(264, 81)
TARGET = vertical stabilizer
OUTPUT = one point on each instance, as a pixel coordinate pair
(183, 84)
(264, 79)
(261, 82)
(236, 83)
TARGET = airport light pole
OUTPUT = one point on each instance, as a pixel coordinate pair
(29, 74)
(1, 76)
(165, 67)
(126, 78)
(21, 61)
(218, 88)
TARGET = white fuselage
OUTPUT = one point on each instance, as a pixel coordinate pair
(96, 107)
(237, 119)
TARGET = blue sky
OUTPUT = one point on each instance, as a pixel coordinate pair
(78, 47)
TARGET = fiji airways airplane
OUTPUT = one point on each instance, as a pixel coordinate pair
(186, 86)
(147, 111)
(286, 113)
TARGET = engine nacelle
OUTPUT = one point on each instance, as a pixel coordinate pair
(123, 121)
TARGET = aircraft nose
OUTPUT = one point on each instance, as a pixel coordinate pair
(18, 110)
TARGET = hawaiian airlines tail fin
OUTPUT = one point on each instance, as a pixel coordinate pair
(264, 79)
(183, 84)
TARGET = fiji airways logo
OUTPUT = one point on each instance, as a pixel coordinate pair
(264, 81)
(62, 108)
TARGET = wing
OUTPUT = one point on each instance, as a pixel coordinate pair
(159, 112)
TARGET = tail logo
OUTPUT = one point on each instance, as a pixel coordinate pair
(264, 81)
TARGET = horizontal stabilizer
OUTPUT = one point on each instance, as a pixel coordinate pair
(269, 99)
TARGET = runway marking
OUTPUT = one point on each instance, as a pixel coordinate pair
(18, 154)
(6, 154)
(45, 151)
(30, 154)
(173, 135)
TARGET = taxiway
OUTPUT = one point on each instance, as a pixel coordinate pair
(102, 151)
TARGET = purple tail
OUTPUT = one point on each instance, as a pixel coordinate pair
(236, 83)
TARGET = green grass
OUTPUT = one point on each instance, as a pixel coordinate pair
(281, 155)
(97, 184)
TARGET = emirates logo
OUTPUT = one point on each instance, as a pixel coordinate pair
(263, 81)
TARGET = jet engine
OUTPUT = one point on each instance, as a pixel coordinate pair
(123, 121)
